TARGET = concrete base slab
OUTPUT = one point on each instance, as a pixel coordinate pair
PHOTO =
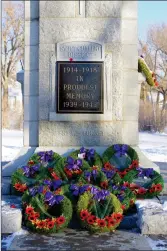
(11, 219)
(6, 185)
(81, 240)
(152, 216)
(163, 171)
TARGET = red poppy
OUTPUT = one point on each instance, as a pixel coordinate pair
(54, 175)
(123, 207)
(88, 189)
(50, 224)
(50, 169)
(90, 220)
(29, 210)
(101, 223)
(130, 167)
(12, 206)
(111, 222)
(104, 184)
(126, 184)
(31, 217)
(135, 163)
(41, 224)
(134, 186)
(44, 191)
(94, 217)
(84, 214)
(17, 186)
(141, 190)
(60, 220)
(158, 187)
(31, 162)
(58, 191)
(117, 216)
(37, 215)
(152, 190)
(70, 59)
(123, 173)
(68, 172)
(22, 188)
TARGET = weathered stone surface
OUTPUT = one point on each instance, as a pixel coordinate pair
(31, 58)
(57, 30)
(130, 56)
(31, 133)
(103, 8)
(129, 31)
(130, 107)
(31, 86)
(116, 49)
(117, 83)
(79, 133)
(5, 186)
(57, 9)
(152, 217)
(117, 107)
(130, 132)
(11, 219)
(81, 240)
(31, 10)
(130, 82)
(129, 9)
(31, 108)
(31, 32)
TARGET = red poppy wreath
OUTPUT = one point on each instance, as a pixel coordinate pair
(117, 153)
(46, 212)
(99, 210)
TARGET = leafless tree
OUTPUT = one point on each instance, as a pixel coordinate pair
(155, 54)
(12, 48)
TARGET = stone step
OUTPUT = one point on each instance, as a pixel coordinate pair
(152, 216)
(6, 186)
(11, 217)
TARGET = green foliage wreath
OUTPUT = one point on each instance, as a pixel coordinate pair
(99, 215)
(44, 215)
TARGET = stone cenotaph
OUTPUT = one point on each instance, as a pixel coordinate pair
(80, 78)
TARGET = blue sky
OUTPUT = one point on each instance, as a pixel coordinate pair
(150, 13)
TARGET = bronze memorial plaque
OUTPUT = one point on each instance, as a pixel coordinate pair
(80, 87)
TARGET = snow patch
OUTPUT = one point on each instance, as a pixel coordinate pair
(7, 241)
(157, 244)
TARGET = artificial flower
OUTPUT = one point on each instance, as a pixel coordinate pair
(17, 185)
(41, 224)
(29, 210)
(55, 176)
(12, 206)
(104, 184)
(101, 223)
(84, 214)
(141, 191)
(90, 220)
(50, 224)
(135, 163)
(60, 220)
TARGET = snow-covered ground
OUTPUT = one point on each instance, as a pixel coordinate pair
(12, 141)
(154, 146)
